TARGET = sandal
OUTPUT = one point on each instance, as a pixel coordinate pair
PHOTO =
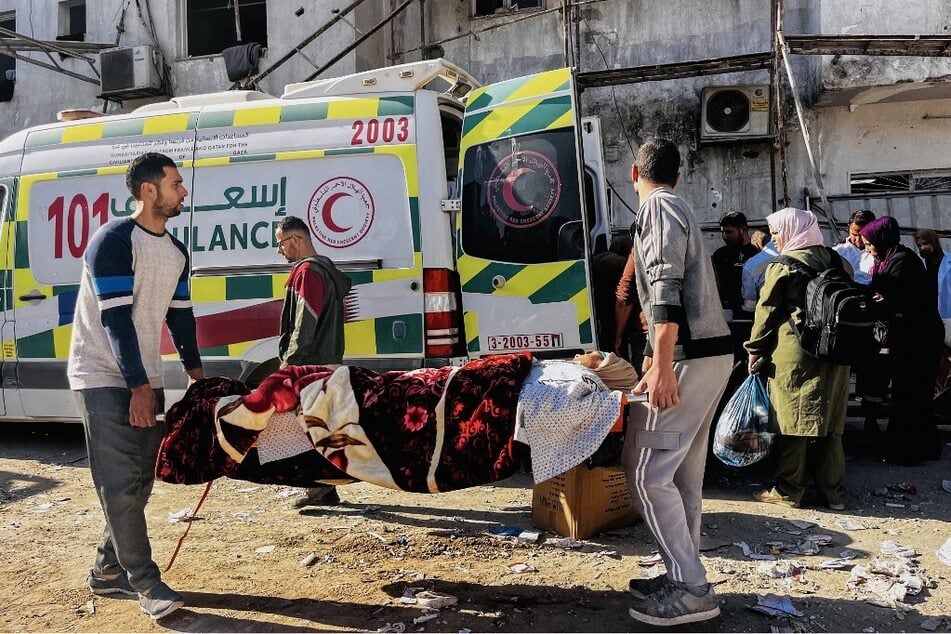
(772, 496)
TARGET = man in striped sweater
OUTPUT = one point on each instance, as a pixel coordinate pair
(135, 277)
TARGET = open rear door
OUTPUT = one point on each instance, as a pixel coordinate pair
(523, 233)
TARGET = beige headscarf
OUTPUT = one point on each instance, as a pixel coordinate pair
(797, 228)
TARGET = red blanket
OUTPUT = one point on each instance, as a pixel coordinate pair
(426, 430)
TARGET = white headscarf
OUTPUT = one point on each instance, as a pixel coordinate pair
(797, 228)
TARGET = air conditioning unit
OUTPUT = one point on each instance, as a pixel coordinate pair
(731, 112)
(132, 72)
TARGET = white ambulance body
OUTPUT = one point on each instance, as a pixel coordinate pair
(369, 161)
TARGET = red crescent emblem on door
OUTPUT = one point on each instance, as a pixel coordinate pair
(326, 212)
(508, 190)
(524, 189)
(341, 212)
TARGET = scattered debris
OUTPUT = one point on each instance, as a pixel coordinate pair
(775, 605)
(91, 607)
(42, 508)
(184, 515)
(811, 545)
(613, 554)
(792, 570)
(409, 595)
(505, 531)
(933, 623)
(565, 542)
(522, 568)
(944, 553)
(286, 493)
(848, 524)
(265, 549)
(435, 600)
(309, 560)
(529, 537)
(801, 524)
(904, 487)
(425, 617)
(891, 548)
(894, 505)
(398, 628)
(751, 554)
(836, 564)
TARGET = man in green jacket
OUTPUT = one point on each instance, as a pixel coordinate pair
(312, 318)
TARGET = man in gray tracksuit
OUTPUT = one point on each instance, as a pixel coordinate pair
(688, 359)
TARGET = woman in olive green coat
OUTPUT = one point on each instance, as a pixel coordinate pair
(808, 397)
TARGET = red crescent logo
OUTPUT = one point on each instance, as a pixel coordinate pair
(327, 217)
(508, 187)
(360, 210)
(536, 201)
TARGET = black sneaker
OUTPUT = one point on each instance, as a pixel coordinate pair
(160, 601)
(640, 588)
(318, 496)
(103, 587)
(673, 604)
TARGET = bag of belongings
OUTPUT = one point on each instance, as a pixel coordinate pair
(741, 436)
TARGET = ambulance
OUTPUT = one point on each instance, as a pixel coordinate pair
(465, 216)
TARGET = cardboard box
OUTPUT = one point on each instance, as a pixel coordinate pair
(583, 502)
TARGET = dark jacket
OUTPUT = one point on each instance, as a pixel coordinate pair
(313, 315)
(910, 299)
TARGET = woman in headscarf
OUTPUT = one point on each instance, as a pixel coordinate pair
(915, 335)
(808, 396)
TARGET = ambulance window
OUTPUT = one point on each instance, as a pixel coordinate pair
(451, 135)
(520, 199)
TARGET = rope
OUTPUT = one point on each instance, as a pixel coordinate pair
(181, 540)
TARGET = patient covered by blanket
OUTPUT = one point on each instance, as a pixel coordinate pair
(427, 430)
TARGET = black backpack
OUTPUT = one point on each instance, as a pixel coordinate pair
(841, 320)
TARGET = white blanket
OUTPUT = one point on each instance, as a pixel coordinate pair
(564, 414)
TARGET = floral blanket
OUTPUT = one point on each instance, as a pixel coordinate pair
(427, 430)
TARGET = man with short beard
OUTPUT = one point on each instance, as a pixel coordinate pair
(135, 277)
(312, 318)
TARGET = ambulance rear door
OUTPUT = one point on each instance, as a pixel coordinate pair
(523, 234)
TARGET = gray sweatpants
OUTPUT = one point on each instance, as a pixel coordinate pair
(664, 456)
(122, 464)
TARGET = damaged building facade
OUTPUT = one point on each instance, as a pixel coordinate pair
(878, 124)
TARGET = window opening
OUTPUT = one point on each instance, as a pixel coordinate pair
(451, 136)
(210, 25)
(491, 7)
(895, 182)
(72, 21)
(8, 21)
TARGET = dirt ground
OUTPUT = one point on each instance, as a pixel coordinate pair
(240, 568)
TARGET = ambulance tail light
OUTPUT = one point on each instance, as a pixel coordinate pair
(442, 315)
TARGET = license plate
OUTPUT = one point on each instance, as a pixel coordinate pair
(538, 341)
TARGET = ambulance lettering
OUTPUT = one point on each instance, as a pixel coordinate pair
(386, 130)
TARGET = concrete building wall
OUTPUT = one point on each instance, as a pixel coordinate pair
(716, 179)
(843, 95)
(41, 93)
